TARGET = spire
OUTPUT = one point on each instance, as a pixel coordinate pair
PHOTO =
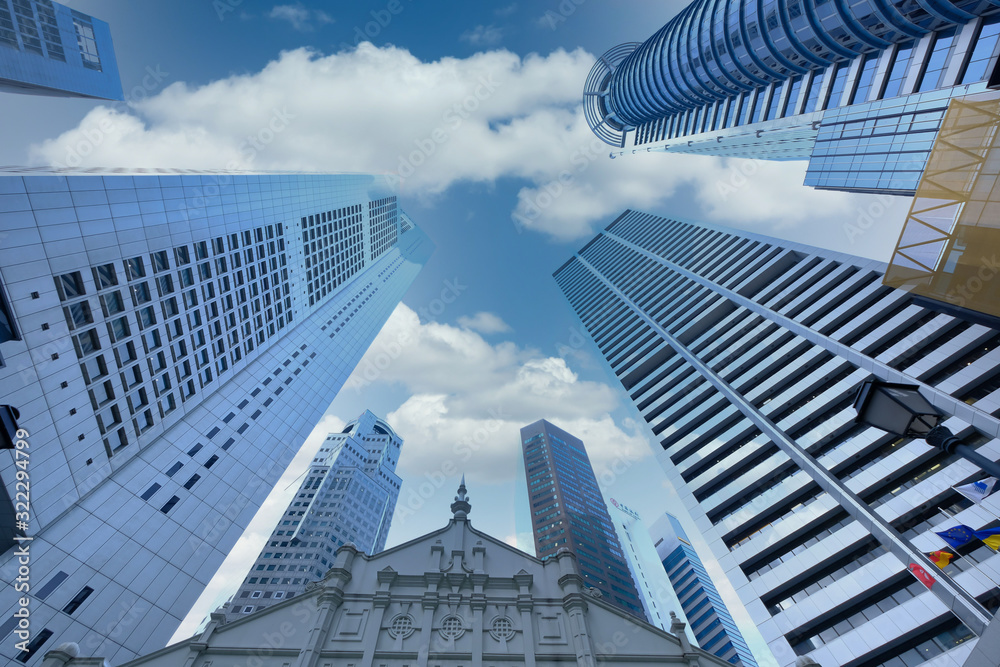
(461, 507)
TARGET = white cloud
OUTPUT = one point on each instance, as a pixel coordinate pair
(487, 323)
(490, 116)
(468, 400)
(301, 18)
(483, 35)
(506, 10)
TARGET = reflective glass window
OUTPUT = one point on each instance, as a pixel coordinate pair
(982, 54)
(865, 78)
(897, 72)
(733, 110)
(812, 94)
(772, 107)
(937, 61)
(837, 87)
(789, 108)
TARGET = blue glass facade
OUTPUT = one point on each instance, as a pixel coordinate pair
(569, 512)
(779, 80)
(49, 49)
(697, 594)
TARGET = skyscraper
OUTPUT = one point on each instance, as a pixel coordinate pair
(568, 512)
(49, 49)
(171, 341)
(743, 353)
(858, 89)
(348, 496)
(707, 615)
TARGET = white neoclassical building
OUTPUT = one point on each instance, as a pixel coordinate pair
(452, 598)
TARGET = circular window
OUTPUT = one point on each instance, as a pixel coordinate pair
(503, 628)
(401, 626)
(452, 627)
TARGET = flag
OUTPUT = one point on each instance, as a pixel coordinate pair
(977, 491)
(941, 558)
(989, 536)
(921, 574)
(958, 536)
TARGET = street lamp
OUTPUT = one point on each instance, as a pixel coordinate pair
(901, 409)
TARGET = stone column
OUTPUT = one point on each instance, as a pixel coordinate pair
(380, 603)
(525, 606)
(576, 608)
(329, 601)
(429, 604)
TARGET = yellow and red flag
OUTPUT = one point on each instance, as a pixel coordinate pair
(941, 558)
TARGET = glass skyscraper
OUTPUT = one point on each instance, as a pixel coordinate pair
(568, 512)
(348, 496)
(49, 49)
(858, 89)
(708, 617)
(171, 340)
(744, 353)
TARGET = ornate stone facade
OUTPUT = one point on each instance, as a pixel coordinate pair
(453, 598)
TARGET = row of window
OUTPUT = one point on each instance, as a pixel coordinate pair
(803, 92)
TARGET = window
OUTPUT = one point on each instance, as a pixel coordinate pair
(70, 286)
(982, 54)
(75, 603)
(147, 317)
(169, 505)
(938, 60)
(191, 482)
(140, 293)
(837, 86)
(897, 73)
(102, 393)
(118, 329)
(194, 450)
(165, 285)
(148, 493)
(772, 106)
(112, 303)
(105, 276)
(160, 261)
(865, 78)
(211, 461)
(34, 645)
(134, 268)
(86, 343)
(812, 94)
(78, 314)
(94, 368)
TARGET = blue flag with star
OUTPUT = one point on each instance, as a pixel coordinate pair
(957, 536)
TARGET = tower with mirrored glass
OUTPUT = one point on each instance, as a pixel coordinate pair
(857, 89)
(170, 341)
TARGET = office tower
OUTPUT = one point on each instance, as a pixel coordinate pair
(454, 596)
(743, 353)
(568, 512)
(49, 49)
(651, 582)
(347, 497)
(707, 615)
(173, 340)
(858, 89)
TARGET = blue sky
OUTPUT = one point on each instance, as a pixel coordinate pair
(477, 105)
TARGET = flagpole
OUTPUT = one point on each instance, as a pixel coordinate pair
(975, 563)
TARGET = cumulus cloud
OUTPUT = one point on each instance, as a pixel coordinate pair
(483, 35)
(490, 116)
(300, 18)
(487, 323)
(468, 400)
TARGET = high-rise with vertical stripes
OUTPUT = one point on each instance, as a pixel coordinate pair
(743, 354)
(170, 340)
(859, 89)
(569, 512)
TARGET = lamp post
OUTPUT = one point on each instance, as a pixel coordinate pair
(901, 409)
